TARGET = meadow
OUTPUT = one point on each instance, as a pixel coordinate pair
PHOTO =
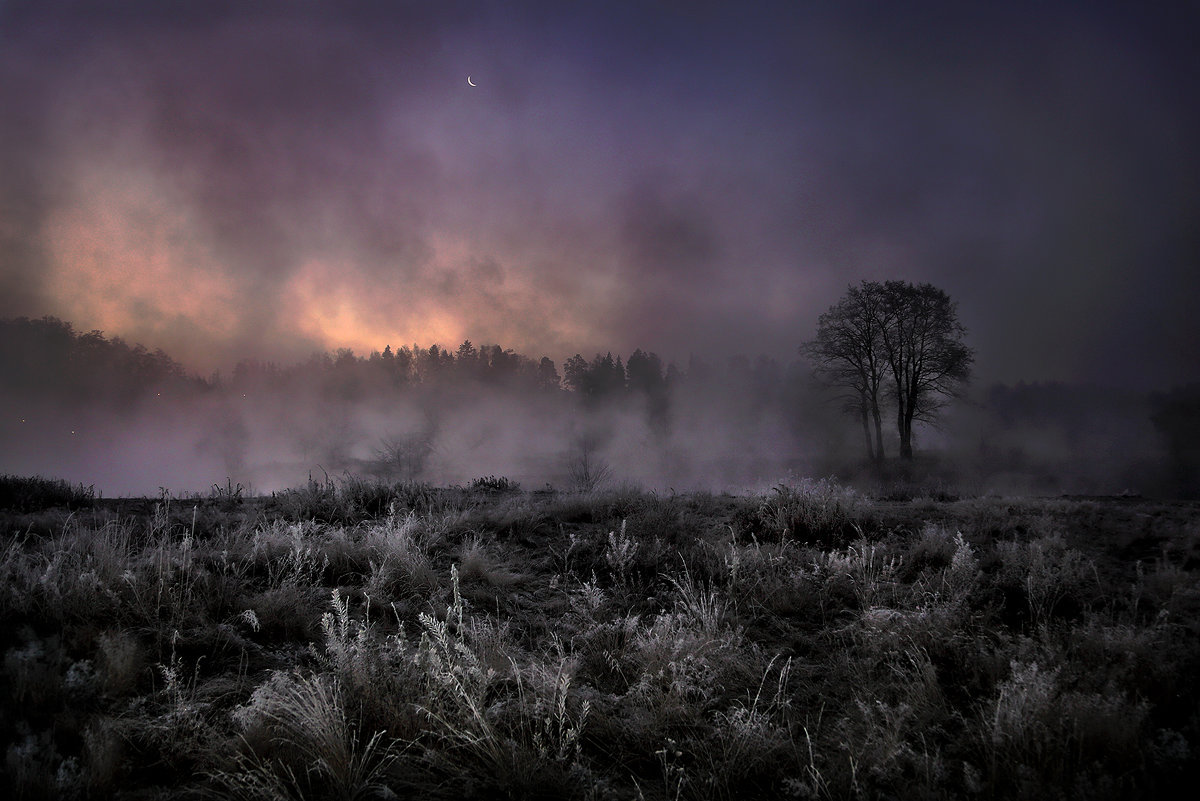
(355, 639)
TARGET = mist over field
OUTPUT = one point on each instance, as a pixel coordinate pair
(437, 420)
(131, 422)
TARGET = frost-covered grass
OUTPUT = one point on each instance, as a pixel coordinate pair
(366, 641)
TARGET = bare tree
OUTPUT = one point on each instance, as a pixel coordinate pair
(896, 330)
(403, 456)
(848, 355)
(586, 469)
(923, 343)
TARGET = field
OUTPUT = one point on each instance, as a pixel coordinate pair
(360, 640)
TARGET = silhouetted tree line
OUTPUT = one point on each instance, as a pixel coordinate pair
(603, 381)
(1177, 418)
(1077, 412)
(1079, 438)
(47, 357)
(344, 374)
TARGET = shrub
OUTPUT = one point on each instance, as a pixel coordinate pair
(32, 494)
(869, 570)
(493, 485)
(315, 501)
(1040, 735)
(818, 511)
(121, 662)
(229, 496)
(1051, 577)
(313, 748)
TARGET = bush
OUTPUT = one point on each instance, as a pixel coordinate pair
(356, 500)
(817, 511)
(492, 485)
(33, 494)
(313, 749)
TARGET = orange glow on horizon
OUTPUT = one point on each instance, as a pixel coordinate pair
(342, 313)
(128, 256)
(133, 280)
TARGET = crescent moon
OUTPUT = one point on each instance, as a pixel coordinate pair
(470, 82)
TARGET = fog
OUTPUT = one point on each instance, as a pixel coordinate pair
(128, 429)
(133, 423)
(273, 439)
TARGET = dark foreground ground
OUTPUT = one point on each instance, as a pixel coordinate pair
(365, 641)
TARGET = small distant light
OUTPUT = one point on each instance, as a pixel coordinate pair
(72, 433)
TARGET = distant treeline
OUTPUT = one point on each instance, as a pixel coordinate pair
(1023, 428)
(1177, 418)
(47, 356)
(604, 377)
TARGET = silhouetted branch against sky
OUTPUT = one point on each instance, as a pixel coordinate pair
(226, 180)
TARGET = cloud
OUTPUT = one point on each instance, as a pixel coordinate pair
(228, 181)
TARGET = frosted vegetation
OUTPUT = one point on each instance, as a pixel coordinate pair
(364, 640)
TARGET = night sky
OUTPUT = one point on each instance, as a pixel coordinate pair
(267, 179)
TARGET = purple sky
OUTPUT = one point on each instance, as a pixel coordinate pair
(265, 179)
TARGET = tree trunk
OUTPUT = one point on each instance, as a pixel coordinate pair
(906, 421)
(867, 434)
(878, 433)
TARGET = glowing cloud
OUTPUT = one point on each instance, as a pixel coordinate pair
(126, 258)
